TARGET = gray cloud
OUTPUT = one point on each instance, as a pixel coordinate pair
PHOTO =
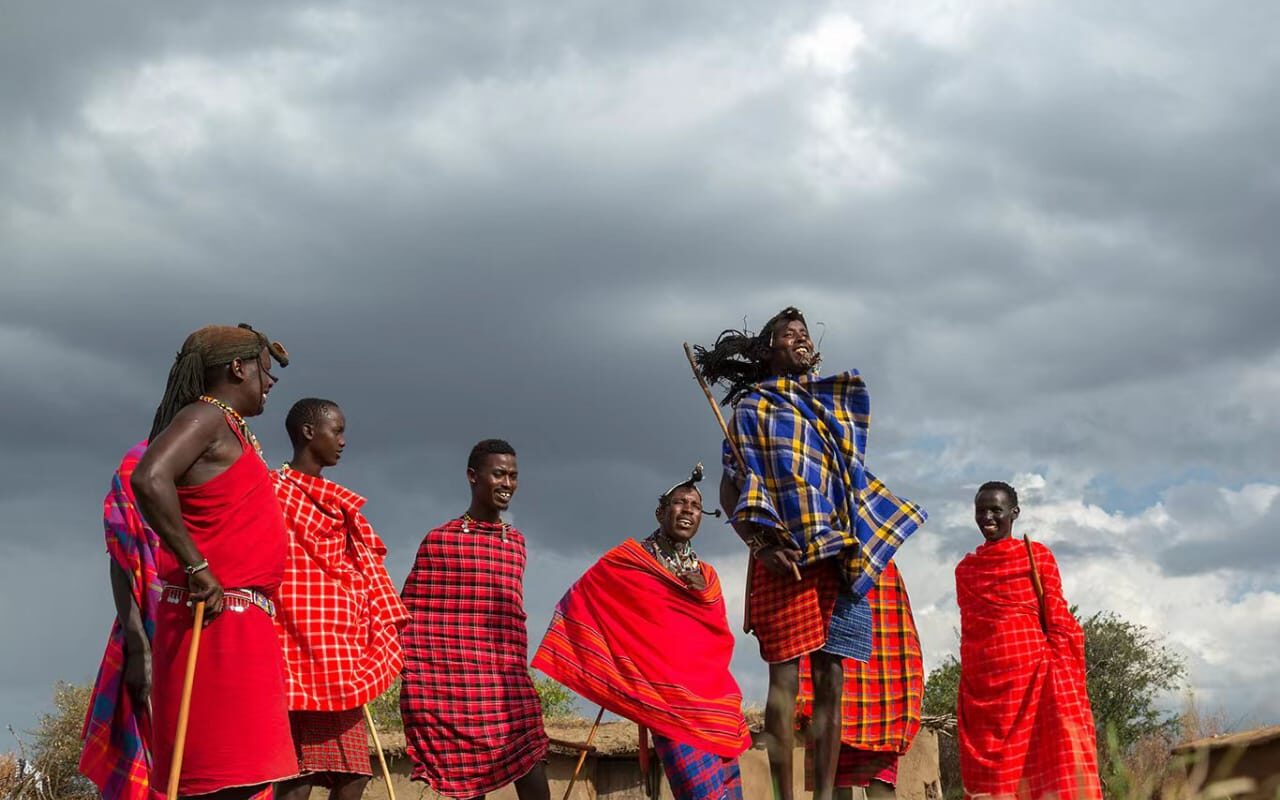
(1044, 236)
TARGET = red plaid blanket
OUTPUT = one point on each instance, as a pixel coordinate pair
(609, 642)
(1026, 728)
(116, 736)
(472, 719)
(337, 610)
(882, 698)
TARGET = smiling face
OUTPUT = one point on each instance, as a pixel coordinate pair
(254, 382)
(791, 351)
(680, 517)
(994, 511)
(493, 482)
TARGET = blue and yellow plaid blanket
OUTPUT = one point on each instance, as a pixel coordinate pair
(804, 441)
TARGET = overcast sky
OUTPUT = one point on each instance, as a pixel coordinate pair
(1046, 233)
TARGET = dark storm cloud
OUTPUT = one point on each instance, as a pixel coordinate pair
(493, 219)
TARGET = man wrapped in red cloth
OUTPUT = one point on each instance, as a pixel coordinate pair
(337, 612)
(607, 642)
(472, 719)
(206, 490)
(1026, 728)
(116, 753)
(882, 697)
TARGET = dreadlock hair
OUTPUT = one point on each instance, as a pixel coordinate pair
(210, 347)
(998, 486)
(740, 359)
(488, 447)
(306, 411)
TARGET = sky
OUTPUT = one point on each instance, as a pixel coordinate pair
(1044, 232)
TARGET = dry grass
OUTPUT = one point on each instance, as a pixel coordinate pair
(1150, 771)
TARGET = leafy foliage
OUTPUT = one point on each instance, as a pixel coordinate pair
(49, 770)
(557, 701)
(1127, 669)
(943, 687)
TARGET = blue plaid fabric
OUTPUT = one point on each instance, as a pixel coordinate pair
(804, 441)
(696, 774)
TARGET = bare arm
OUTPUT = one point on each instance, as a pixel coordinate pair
(137, 648)
(191, 435)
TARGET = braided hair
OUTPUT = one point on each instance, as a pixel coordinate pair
(211, 346)
(740, 359)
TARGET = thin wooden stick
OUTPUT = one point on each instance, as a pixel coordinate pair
(715, 407)
(742, 468)
(582, 757)
(1035, 581)
(184, 705)
(382, 758)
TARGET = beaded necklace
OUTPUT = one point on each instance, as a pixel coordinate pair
(468, 521)
(679, 558)
(239, 421)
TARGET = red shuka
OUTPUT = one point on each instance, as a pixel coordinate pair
(472, 719)
(1026, 729)
(238, 731)
(611, 637)
(880, 709)
(338, 611)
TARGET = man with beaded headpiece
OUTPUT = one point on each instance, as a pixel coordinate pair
(604, 643)
(472, 718)
(822, 531)
(205, 488)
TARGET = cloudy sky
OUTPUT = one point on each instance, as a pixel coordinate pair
(1046, 233)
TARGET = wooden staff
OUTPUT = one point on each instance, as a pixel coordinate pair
(715, 408)
(582, 757)
(742, 469)
(184, 705)
(382, 758)
(1035, 581)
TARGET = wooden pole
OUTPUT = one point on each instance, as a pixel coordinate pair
(582, 757)
(715, 408)
(742, 468)
(184, 705)
(1035, 581)
(382, 758)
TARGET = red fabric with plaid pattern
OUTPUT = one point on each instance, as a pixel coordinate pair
(472, 719)
(789, 617)
(1026, 728)
(331, 741)
(883, 697)
(337, 611)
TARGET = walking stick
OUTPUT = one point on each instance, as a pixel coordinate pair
(742, 468)
(382, 758)
(1035, 581)
(184, 705)
(582, 757)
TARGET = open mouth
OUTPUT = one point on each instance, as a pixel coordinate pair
(503, 495)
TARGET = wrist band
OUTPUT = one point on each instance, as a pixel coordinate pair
(194, 568)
